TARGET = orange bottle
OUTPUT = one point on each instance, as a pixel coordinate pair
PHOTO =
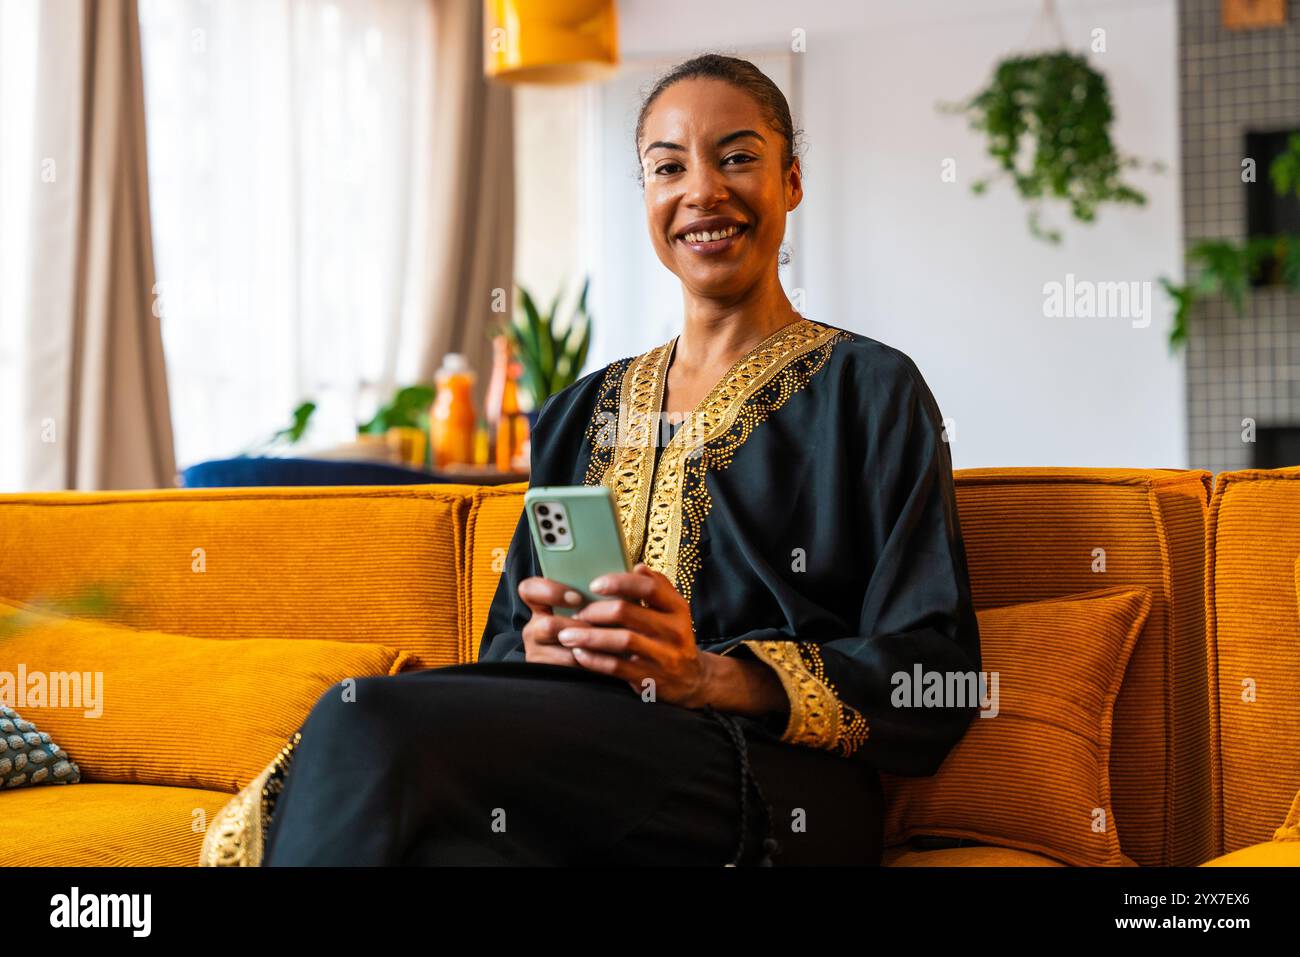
(505, 417)
(453, 421)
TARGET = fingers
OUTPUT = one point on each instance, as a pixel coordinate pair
(643, 583)
(541, 642)
(618, 613)
(545, 628)
(609, 641)
(549, 655)
(633, 671)
(543, 594)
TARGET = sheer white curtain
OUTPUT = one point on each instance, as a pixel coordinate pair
(288, 156)
(19, 176)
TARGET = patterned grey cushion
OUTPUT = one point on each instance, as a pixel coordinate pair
(28, 756)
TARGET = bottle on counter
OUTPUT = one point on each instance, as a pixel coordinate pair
(507, 422)
(454, 421)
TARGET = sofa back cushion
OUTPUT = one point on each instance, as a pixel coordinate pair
(1038, 533)
(1031, 771)
(1254, 634)
(493, 516)
(374, 564)
(136, 706)
(1035, 533)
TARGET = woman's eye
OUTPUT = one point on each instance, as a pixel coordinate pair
(738, 158)
(667, 169)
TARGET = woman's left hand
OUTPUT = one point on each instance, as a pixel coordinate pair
(618, 635)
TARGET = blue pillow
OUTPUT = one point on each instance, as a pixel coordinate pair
(28, 756)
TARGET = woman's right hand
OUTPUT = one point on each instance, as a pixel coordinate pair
(541, 644)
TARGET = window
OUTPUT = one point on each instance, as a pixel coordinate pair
(19, 176)
(288, 145)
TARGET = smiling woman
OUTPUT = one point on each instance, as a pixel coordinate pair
(796, 547)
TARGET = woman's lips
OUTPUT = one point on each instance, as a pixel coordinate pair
(713, 241)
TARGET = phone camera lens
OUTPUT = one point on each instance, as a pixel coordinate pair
(546, 523)
(548, 538)
(543, 510)
(560, 530)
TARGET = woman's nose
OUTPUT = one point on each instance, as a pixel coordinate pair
(705, 186)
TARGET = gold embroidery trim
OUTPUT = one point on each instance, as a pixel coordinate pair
(602, 430)
(818, 718)
(631, 474)
(237, 835)
(650, 503)
(804, 355)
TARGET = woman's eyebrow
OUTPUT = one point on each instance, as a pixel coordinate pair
(663, 145)
(739, 134)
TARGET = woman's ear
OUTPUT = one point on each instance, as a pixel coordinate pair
(793, 186)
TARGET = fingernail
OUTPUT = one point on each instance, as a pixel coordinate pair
(572, 598)
(567, 635)
(599, 585)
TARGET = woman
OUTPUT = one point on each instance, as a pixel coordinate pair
(797, 546)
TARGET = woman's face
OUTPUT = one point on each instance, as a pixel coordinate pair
(712, 166)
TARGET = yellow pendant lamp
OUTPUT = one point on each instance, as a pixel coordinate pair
(551, 41)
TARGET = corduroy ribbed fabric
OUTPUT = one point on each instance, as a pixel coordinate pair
(106, 825)
(1254, 635)
(372, 565)
(493, 516)
(154, 708)
(976, 856)
(1036, 775)
(1034, 533)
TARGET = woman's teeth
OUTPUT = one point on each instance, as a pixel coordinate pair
(711, 237)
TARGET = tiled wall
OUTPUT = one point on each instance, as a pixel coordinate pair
(1249, 366)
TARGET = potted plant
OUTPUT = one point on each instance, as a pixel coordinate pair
(403, 423)
(551, 350)
(1048, 118)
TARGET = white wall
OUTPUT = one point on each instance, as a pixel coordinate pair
(956, 281)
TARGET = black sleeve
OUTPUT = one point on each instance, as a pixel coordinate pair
(502, 638)
(846, 694)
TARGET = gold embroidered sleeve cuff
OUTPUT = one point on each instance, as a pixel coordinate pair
(818, 718)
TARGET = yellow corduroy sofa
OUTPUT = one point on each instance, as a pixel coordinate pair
(1204, 760)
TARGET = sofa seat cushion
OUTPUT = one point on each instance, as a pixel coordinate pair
(965, 857)
(1268, 854)
(116, 825)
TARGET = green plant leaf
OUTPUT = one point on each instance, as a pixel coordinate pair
(1047, 120)
(1184, 296)
(1291, 261)
(1285, 168)
(552, 351)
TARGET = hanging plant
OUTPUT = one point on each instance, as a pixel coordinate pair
(1222, 267)
(1048, 118)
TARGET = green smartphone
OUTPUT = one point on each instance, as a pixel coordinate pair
(576, 535)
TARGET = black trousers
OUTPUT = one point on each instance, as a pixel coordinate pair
(527, 764)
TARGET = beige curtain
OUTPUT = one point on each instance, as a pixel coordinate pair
(97, 387)
(472, 192)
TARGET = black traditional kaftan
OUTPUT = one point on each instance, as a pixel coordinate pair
(805, 509)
